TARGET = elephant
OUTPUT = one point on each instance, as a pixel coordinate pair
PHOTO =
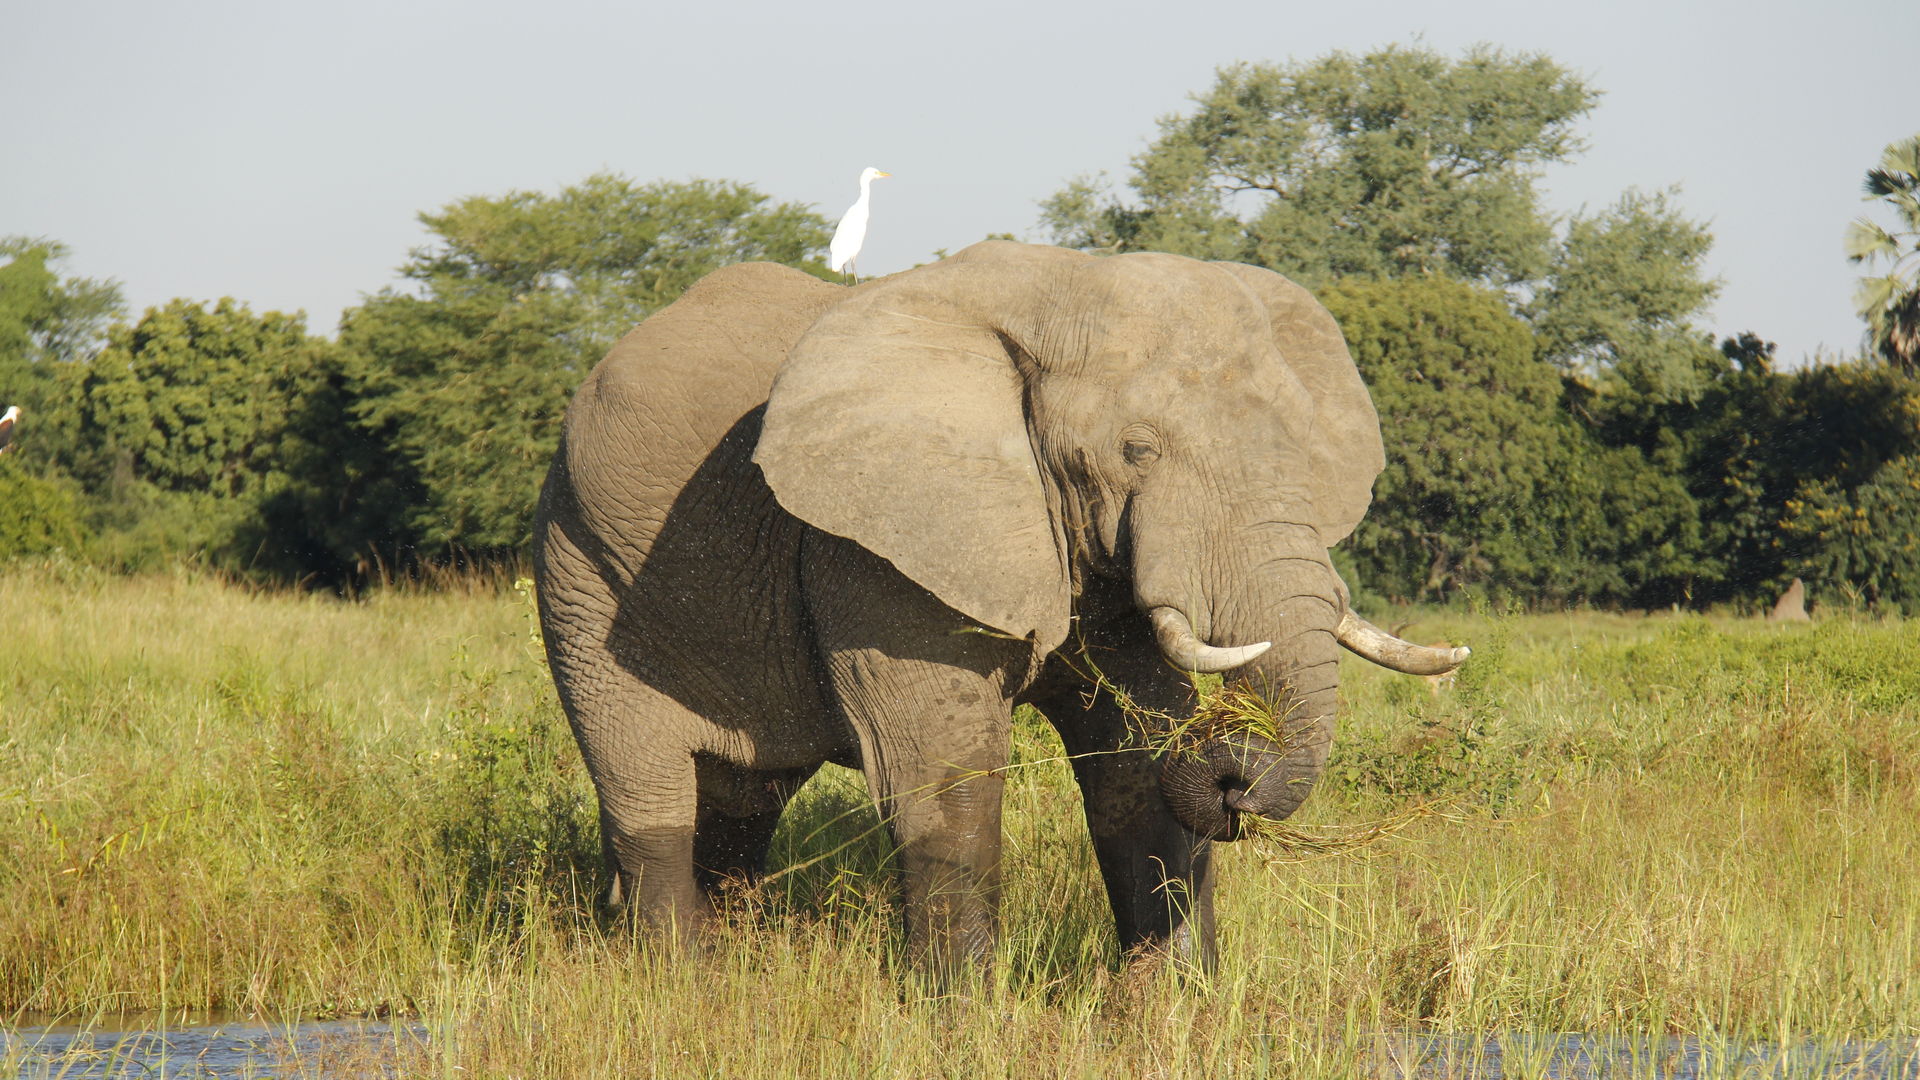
(792, 522)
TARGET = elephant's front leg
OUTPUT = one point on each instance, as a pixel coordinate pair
(944, 815)
(929, 703)
(1158, 874)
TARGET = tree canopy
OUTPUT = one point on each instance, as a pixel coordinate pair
(1490, 485)
(192, 399)
(1622, 294)
(612, 250)
(1397, 162)
(46, 323)
(42, 317)
(452, 393)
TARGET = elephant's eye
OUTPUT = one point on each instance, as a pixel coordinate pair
(1139, 452)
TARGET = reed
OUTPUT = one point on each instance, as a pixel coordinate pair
(1657, 829)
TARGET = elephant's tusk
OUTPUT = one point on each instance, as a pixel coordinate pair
(1174, 634)
(1386, 650)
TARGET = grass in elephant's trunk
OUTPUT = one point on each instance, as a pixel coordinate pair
(1224, 713)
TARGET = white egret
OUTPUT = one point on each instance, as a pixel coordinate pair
(853, 227)
(7, 423)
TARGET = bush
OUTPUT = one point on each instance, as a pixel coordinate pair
(1867, 542)
(1491, 488)
(38, 516)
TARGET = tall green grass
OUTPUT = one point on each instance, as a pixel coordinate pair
(217, 798)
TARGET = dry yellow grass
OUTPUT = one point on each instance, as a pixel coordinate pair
(1659, 827)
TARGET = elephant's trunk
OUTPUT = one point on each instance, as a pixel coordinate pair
(1210, 787)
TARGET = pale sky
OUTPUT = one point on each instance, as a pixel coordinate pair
(279, 153)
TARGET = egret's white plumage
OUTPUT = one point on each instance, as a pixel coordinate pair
(853, 227)
(7, 423)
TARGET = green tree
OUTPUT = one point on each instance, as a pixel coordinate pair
(1890, 303)
(616, 250)
(1395, 163)
(1756, 439)
(196, 400)
(1864, 542)
(38, 515)
(186, 421)
(1620, 299)
(1405, 163)
(454, 391)
(46, 323)
(1724, 440)
(1490, 486)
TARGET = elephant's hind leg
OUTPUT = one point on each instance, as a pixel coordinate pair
(739, 811)
(637, 743)
(648, 801)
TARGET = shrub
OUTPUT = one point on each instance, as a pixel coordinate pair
(1865, 542)
(38, 516)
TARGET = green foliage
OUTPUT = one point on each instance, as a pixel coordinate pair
(46, 324)
(465, 395)
(1890, 303)
(38, 516)
(1490, 486)
(184, 427)
(615, 250)
(1465, 412)
(1398, 162)
(1861, 543)
(455, 395)
(42, 318)
(138, 527)
(198, 400)
(1750, 443)
(1621, 295)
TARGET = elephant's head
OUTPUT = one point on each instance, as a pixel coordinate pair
(1004, 423)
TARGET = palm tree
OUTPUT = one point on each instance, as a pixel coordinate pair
(1891, 303)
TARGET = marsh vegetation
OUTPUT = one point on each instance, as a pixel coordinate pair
(290, 806)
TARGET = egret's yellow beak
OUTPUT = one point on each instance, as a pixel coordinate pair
(877, 173)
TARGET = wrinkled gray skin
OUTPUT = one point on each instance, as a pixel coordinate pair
(783, 510)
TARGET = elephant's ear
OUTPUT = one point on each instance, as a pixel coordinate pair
(899, 422)
(1347, 454)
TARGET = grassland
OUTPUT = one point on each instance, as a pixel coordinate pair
(295, 806)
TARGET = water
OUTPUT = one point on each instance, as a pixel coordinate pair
(1583, 1057)
(139, 1046)
(237, 1049)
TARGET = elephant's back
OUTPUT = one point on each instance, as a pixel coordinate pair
(662, 558)
(652, 413)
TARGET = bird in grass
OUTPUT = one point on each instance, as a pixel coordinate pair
(7, 423)
(853, 227)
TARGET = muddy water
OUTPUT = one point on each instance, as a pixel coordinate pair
(238, 1049)
(204, 1048)
(1583, 1057)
